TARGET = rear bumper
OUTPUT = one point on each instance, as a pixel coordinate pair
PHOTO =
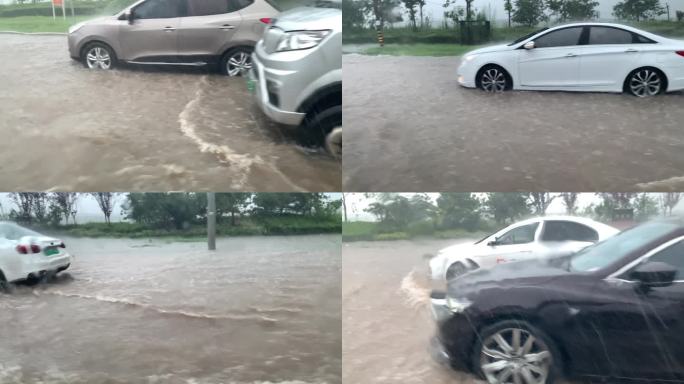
(39, 265)
(261, 78)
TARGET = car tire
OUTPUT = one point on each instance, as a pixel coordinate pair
(645, 82)
(319, 126)
(456, 269)
(236, 61)
(542, 350)
(5, 286)
(493, 78)
(98, 55)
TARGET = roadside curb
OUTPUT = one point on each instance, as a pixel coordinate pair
(34, 33)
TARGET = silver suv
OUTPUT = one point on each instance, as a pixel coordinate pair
(297, 72)
(177, 32)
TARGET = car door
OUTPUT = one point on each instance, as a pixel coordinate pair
(640, 333)
(554, 61)
(516, 244)
(608, 57)
(153, 33)
(208, 28)
(563, 237)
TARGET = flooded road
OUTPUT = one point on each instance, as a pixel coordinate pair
(139, 128)
(258, 311)
(411, 127)
(387, 324)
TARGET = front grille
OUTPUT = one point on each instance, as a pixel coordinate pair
(271, 38)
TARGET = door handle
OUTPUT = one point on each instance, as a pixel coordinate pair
(227, 27)
(631, 50)
(169, 29)
(570, 55)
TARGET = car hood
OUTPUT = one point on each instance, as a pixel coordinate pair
(529, 272)
(308, 18)
(492, 48)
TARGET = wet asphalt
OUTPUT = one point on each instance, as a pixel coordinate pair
(66, 128)
(411, 127)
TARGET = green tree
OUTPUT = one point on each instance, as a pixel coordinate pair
(164, 210)
(645, 207)
(529, 12)
(459, 210)
(638, 9)
(540, 202)
(572, 9)
(505, 207)
(353, 15)
(570, 202)
(508, 6)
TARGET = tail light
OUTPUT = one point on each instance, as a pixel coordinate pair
(680, 53)
(266, 20)
(22, 249)
(35, 248)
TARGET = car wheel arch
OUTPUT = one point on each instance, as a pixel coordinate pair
(323, 98)
(625, 83)
(90, 42)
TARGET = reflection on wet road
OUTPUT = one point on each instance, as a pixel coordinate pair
(259, 310)
(139, 128)
(411, 127)
(387, 325)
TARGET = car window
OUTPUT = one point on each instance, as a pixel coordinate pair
(615, 248)
(672, 255)
(568, 231)
(606, 35)
(519, 235)
(559, 38)
(236, 5)
(207, 7)
(12, 231)
(159, 9)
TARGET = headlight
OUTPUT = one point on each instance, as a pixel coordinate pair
(469, 57)
(457, 305)
(76, 27)
(296, 40)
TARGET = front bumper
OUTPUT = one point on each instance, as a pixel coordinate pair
(455, 337)
(277, 79)
(73, 40)
(465, 74)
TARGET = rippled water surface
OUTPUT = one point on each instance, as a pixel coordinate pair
(257, 311)
(139, 128)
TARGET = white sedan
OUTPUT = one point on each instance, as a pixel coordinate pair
(541, 237)
(27, 255)
(597, 57)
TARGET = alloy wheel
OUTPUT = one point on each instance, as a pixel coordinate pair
(333, 142)
(238, 63)
(645, 82)
(98, 57)
(515, 356)
(493, 80)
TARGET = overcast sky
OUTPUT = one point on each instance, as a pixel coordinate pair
(358, 202)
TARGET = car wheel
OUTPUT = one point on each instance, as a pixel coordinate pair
(319, 129)
(514, 351)
(456, 269)
(493, 79)
(645, 82)
(236, 61)
(98, 56)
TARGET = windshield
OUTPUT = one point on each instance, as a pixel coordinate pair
(11, 231)
(607, 252)
(521, 39)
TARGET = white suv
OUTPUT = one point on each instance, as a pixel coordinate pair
(28, 255)
(297, 72)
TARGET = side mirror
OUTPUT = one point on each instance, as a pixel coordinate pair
(493, 243)
(130, 16)
(529, 45)
(654, 274)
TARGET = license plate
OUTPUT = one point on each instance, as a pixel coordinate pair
(51, 251)
(251, 85)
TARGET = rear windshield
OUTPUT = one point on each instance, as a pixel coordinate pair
(11, 231)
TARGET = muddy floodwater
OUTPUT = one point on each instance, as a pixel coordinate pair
(139, 128)
(387, 325)
(257, 311)
(411, 127)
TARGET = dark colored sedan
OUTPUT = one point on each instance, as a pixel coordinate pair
(615, 310)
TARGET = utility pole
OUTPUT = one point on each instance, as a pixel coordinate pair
(211, 220)
(667, 6)
(71, 2)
